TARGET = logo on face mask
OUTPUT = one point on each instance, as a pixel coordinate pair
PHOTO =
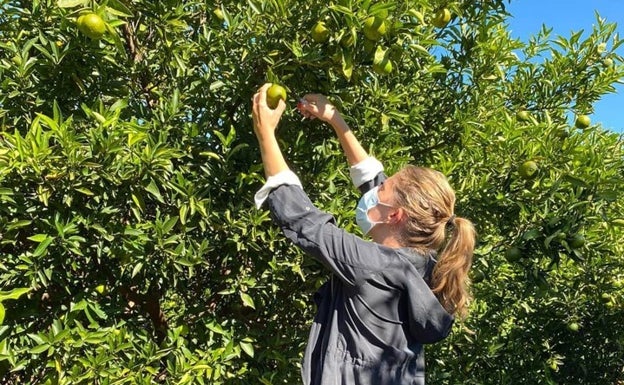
(369, 200)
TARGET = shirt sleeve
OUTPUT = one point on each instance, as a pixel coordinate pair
(346, 255)
(284, 177)
(365, 171)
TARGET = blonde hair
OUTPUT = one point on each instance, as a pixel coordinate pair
(429, 202)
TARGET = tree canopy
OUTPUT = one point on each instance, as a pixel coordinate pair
(130, 250)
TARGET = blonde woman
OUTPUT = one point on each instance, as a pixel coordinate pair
(387, 296)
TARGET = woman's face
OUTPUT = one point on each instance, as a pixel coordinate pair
(385, 193)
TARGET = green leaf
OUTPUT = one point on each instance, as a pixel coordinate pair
(2, 313)
(14, 294)
(39, 349)
(215, 327)
(247, 347)
(42, 247)
(247, 300)
(85, 191)
(168, 225)
(71, 3)
(137, 268)
(38, 237)
(18, 224)
(152, 188)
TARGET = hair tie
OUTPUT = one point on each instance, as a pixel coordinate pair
(451, 220)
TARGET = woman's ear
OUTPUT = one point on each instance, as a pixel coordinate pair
(397, 215)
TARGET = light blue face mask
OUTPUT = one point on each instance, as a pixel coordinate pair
(369, 200)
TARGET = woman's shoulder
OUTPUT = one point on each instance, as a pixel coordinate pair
(423, 262)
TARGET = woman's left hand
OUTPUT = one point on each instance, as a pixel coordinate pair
(265, 119)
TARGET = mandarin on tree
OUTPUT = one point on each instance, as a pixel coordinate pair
(320, 33)
(374, 28)
(582, 121)
(528, 169)
(441, 18)
(91, 25)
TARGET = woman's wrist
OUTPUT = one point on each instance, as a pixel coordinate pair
(339, 124)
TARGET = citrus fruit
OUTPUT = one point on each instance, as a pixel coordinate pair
(528, 169)
(101, 289)
(513, 254)
(273, 94)
(347, 40)
(2, 313)
(383, 67)
(523, 115)
(577, 241)
(601, 47)
(218, 13)
(573, 327)
(478, 276)
(607, 62)
(582, 121)
(441, 18)
(374, 28)
(91, 25)
(320, 33)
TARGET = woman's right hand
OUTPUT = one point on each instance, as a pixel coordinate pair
(317, 106)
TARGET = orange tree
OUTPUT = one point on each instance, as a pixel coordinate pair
(130, 249)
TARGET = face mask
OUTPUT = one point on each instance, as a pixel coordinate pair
(367, 202)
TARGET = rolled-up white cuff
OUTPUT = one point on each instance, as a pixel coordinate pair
(365, 170)
(283, 177)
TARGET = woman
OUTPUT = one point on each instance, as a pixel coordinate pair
(386, 297)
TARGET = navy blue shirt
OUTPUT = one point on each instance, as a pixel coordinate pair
(376, 311)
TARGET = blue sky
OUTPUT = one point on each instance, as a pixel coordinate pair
(565, 16)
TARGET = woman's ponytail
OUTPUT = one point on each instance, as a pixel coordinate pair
(429, 201)
(450, 276)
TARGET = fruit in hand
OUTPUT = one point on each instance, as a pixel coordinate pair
(441, 18)
(273, 95)
(91, 25)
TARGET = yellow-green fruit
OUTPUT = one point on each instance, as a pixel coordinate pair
(320, 33)
(528, 169)
(607, 62)
(601, 47)
(577, 241)
(523, 115)
(383, 67)
(374, 28)
(274, 94)
(218, 13)
(347, 40)
(582, 121)
(2, 313)
(513, 254)
(573, 327)
(441, 18)
(369, 46)
(91, 25)
(101, 289)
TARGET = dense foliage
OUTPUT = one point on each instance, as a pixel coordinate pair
(130, 250)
